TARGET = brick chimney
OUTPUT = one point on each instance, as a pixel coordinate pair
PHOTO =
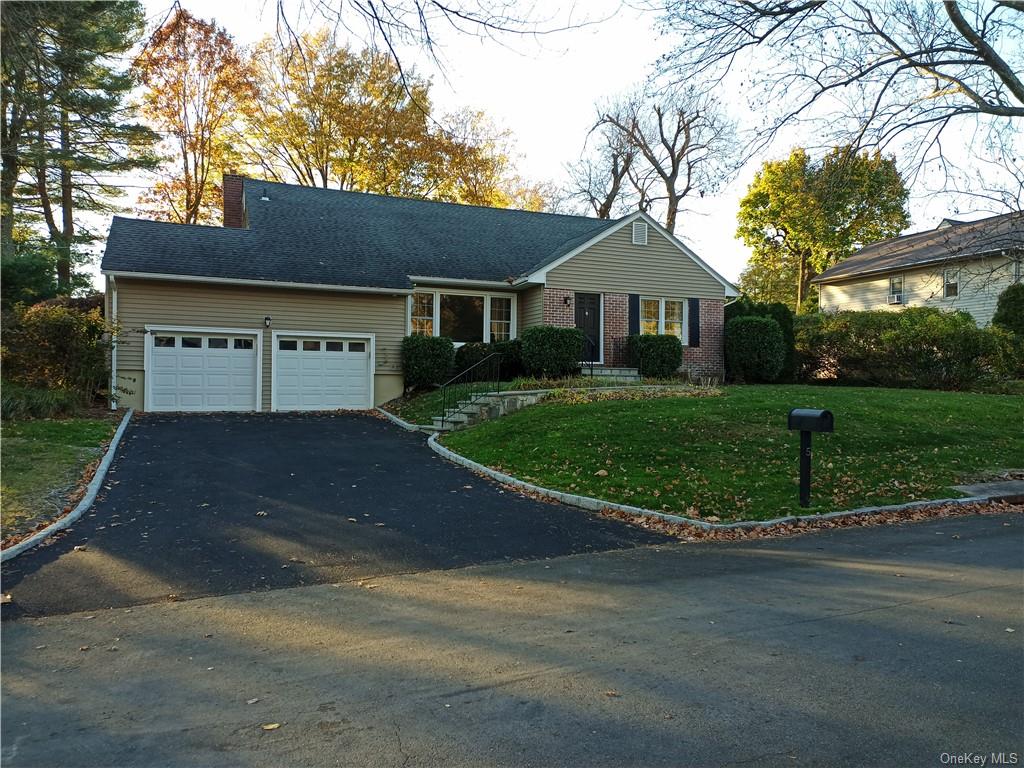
(234, 215)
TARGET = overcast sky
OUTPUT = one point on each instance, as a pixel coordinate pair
(544, 89)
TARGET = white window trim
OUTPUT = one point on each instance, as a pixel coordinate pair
(371, 368)
(486, 295)
(661, 315)
(153, 330)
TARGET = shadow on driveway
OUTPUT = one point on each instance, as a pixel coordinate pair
(215, 504)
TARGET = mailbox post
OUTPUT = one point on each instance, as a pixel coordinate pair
(808, 420)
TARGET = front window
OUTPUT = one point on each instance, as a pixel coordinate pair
(650, 312)
(462, 317)
(663, 316)
(951, 283)
(896, 285)
(501, 318)
(423, 314)
(673, 325)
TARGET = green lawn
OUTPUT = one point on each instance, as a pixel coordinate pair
(732, 456)
(39, 462)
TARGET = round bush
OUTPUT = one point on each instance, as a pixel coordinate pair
(754, 348)
(427, 360)
(658, 356)
(551, 351)
(1010, 309)
(511, 358)
(470, 354)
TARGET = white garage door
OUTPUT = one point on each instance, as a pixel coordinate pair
(202, 372)
(321, 373)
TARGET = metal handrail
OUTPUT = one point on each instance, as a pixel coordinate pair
(465, 388)
(592, 353)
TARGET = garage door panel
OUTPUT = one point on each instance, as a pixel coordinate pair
(319, 375)
(221, 376)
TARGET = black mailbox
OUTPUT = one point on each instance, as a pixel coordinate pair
(810, 420)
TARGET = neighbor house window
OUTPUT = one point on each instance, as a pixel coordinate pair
(896, 285)
(463, 317)
(501, 318)
(423, 314)
(663, 316)
(951, 283)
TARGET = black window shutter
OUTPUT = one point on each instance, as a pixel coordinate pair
(634, 314)
(693, 312)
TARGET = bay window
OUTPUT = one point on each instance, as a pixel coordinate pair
(462, 316)
(664, 316)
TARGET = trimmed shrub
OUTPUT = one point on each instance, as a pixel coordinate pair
(780, 313)
(470, 354)
(658, 356)
(914, 347)
(1010, 309)
(18, 402)
(754, 348)
(426, 360)
(511, 358)
(53, 346)
(551, 351)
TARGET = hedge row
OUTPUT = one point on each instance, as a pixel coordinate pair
(915, 347)
(658, 356)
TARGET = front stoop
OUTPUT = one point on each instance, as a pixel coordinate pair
(470, 412)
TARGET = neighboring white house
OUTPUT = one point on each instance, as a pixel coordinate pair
(956, 266)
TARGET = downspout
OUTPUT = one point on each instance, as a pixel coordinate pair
(113, 342)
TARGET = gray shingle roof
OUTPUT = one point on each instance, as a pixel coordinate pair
(950, 241)
(329, 237)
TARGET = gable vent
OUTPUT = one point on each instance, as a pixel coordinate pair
(639, 233)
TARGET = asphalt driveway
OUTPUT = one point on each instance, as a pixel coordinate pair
(204, 505)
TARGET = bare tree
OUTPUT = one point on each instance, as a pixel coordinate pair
(600, 180)
(684, 144)
(869, 72)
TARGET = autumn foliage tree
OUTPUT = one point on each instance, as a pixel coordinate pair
(197, 81)
(801, 216)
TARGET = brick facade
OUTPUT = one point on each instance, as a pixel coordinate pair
(616, 328)
(708, 360)
(556, 311)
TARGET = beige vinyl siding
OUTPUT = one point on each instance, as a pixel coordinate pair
(616, 265)
(981, 282)
(154, 302)
(531, 307)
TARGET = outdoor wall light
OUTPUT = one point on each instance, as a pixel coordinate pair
(267, 320)
(566, 300)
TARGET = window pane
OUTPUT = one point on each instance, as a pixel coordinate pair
(649, 310)
(335, 346)
(952, 283)
(191, 342)
(310, 346)
(421, 327)
(501, 309)
(163, 341)
(673, 312)
(243, 343)
(423, 305)
(649, 326)
(357, 346)
(462, 317)
(500, 331)
(215, 343)
(288, 345)
(674, 328)
(896, 284)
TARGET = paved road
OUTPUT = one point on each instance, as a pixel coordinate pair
(210, 505)
(869, 647)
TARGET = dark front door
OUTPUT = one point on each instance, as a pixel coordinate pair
(588, 320)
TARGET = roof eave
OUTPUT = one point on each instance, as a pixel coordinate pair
(825, 278)
(256, 283)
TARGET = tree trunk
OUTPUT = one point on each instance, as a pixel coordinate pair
(67, 233)
(673, 209)
(804, 275)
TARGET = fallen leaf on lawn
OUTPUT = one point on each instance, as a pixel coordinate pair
(40, 647)
(252, 701)
(84, 648)
(712, 519)
(601, 473)
(612, 694)
(261, 513)
(352, 520)
(271, 726)
(79, 548)
(1010, 629)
